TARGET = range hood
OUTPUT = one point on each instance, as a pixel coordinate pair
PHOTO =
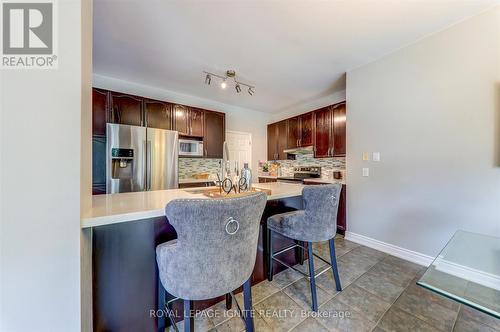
(301, 150)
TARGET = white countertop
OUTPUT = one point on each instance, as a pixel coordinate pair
(117, 208)
(186, 181)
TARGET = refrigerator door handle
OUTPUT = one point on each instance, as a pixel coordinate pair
(148, 165)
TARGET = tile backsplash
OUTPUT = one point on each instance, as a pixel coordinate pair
(189, 166)
(328, 165)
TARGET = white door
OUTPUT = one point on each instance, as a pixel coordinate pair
(240, 147)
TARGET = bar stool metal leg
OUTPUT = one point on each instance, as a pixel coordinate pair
(161, 313)
(247, 298)
(333, 260)
(269, 246)
(229, 301)
(188, 317)
(312, 277)
(299, 252)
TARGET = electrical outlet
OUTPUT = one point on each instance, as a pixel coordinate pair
(366, 171)
(376, 156)
(366, 156)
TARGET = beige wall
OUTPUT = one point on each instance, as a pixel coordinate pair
(40, 144)
(432, 111)
(237, 118)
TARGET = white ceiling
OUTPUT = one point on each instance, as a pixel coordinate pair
(292, 51)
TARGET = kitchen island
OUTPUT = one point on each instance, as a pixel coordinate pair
(127, 227)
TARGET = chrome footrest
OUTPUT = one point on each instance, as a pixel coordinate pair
(293, 246)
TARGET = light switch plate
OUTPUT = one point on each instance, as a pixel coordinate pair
(366, 156)
(376, 156)
(366, 171)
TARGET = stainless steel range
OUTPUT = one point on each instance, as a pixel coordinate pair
(301, 173)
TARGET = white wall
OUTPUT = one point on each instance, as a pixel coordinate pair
(40, 188)
(237, 118)
(432, 110)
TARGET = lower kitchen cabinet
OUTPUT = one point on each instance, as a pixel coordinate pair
(267, 179)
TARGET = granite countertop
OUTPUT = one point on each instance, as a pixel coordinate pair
(268, 176)
(143, 205)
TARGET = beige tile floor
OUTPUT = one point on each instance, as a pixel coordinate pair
(379, 294)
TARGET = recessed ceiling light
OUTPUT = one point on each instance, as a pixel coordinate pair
(223, 84)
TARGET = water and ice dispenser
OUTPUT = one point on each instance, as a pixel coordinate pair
(122, 164)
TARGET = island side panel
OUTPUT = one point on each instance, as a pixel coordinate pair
(125, 274)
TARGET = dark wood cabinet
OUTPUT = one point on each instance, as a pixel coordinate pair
(272, 141)
(263, 179)
(306, 129)
(277, 140)
(323, 133)
(282, 139)
(324, 129)
(99, 111)
(339, 130)
(330, 131)
(293, 133)
(125, 109)
(215, 134)
(158, 114)
(181, 119)
(188, 120)
(196, 122)
(300, 131)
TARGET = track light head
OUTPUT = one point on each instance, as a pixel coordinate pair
(251, 91)
(238, 88)
(223, 84)
(208, 79)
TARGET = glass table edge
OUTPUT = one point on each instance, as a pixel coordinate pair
(459, 299)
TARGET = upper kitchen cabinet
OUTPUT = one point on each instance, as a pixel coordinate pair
(293, 133)
(339, 129)
(125, 109)
(300, 131)
(324, 129)
(215, 134)
(188, 120)
(99, 111)
(330, 131)
(306, 129)
(323, 133)
(196, 122)
(181, 119)
(158, 114)
(272, 141)
(277, 140)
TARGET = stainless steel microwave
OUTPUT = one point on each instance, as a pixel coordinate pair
(191, 148)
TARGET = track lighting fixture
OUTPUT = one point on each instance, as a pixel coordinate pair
(231, 75)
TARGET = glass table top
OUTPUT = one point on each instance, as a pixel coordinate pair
(468, 270)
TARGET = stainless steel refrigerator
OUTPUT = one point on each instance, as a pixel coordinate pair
(140, 158)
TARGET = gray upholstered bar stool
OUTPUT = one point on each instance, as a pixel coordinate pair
(316, 223)
(214, 252)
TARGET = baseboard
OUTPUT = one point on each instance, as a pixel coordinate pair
(391, 249)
